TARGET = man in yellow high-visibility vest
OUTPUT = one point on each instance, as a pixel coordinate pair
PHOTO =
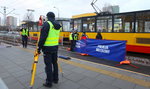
(48, 42)
(73, 38)
(25, 34)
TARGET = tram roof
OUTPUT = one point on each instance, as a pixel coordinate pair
(84, 15)
(94, 14)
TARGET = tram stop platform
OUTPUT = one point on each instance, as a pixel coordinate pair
(15, 72)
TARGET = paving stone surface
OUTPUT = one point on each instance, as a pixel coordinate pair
(15, 71)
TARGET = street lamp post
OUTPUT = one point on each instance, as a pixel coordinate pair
(57, 10)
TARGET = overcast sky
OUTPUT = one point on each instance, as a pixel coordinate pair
(67, 8)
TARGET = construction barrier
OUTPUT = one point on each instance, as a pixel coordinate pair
(105, 49)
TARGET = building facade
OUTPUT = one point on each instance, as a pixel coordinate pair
(0, 21)
(11, 22)
(111, 9)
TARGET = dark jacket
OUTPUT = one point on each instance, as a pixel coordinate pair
(99, 36)
(44, 35)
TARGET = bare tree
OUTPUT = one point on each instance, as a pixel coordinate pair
(29, 17)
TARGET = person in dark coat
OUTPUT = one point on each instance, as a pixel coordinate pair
(50, 50)
(99, 36)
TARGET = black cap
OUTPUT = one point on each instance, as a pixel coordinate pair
(50, 15)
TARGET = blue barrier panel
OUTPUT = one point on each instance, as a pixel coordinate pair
(105, 49)
(80, 46)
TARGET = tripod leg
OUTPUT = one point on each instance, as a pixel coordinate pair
(133, 66)
(33, 71)
(33, 75)
(60, 69)
(32, 67)
(118, 65)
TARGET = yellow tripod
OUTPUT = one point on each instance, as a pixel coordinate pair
(33, 70)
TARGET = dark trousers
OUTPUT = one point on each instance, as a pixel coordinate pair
(73, 44)
(51, 67)
(24, 41)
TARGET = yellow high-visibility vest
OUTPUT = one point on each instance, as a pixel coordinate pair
(75, 36)
(70, 36)
(53, 36)
(25, 33)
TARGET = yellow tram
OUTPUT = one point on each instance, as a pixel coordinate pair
(134, 27)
